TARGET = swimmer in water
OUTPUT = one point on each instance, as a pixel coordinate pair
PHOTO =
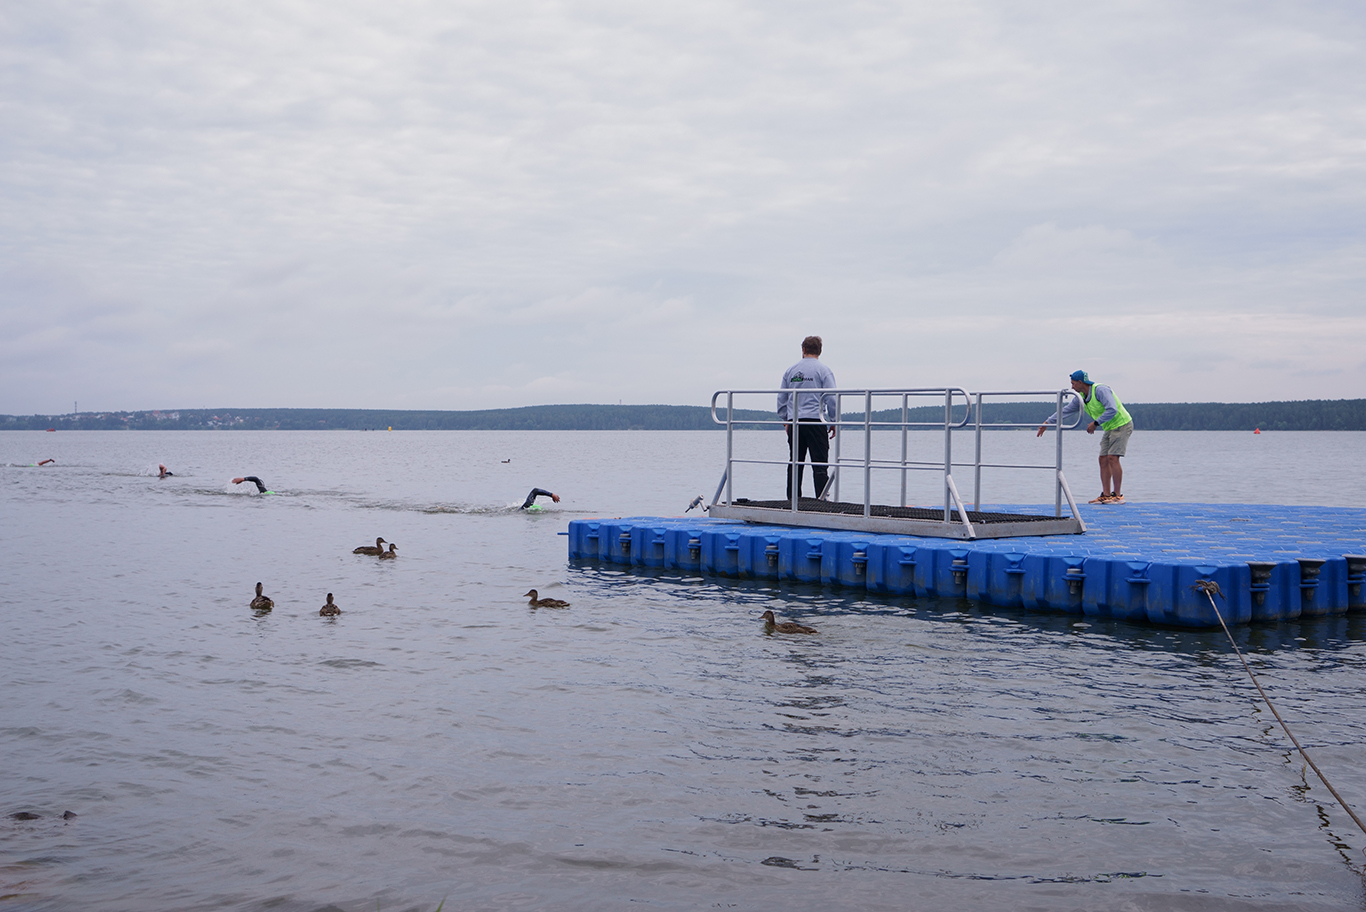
(535, 493)
(46, 461)
(260, 485)
(164, 473)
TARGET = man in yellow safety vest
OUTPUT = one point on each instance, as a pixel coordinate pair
(1108, 414)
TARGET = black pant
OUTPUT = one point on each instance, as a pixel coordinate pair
(813, 438)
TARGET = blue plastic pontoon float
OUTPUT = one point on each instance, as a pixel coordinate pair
(1136, 562)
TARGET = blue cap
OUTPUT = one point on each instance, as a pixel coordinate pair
(1081, 375)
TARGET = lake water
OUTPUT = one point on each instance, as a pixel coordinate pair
(647, 747)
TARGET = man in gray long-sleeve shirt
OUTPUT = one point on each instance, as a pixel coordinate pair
(813, 409)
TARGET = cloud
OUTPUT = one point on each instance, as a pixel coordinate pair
(438, 198)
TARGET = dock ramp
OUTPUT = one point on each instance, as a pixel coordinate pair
(881, 414)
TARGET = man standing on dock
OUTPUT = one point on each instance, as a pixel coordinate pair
(1108, 414)
(812, 411)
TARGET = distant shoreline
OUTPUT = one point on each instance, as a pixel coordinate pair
(1304, 415)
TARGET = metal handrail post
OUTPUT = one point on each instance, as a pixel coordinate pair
(977, 465)
(904, 430)
(1062, 482)
(721, 486)
(868, 453)
(730, 446)
(795, 483)
(962, 510)
(1057, 467)
(948, 453)
(835, 468)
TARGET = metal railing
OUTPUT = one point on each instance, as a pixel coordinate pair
(952, 397)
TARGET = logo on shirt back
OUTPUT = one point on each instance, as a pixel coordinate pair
(799, 377)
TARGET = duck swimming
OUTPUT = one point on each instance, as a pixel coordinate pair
(330, 609)
(391, 553)
(772, 625)
(366, 549)
(544, 602)
(261, 603)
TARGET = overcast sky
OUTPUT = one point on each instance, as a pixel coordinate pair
(479, 205)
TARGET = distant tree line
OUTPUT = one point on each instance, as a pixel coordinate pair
(1304, 415)
(529, 418)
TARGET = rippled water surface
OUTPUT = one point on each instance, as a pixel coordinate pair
(647, 747)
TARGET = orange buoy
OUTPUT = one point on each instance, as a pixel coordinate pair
(1257, 431)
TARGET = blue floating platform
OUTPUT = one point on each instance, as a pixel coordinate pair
(1136, 562)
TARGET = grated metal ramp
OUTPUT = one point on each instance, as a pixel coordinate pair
(926, 521)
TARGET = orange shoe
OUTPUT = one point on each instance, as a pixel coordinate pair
(1103, 498)
(1115, 499)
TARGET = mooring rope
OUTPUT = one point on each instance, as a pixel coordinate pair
(1211, 589)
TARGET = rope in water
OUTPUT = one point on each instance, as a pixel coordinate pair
(1211, 588)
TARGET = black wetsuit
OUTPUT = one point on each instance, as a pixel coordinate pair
(535, 492)
(260, 485)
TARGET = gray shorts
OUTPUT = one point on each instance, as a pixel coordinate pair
(1116, 441)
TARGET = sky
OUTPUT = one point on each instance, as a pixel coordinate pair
(464, 205)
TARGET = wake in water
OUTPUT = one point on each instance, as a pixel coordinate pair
(230, 490)
(510, 509)
(529, 505)
(236, 488)
(473, 509)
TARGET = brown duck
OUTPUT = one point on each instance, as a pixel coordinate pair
(773, 625)
(330, 609)
(366, 549)
(261, 603)
(544, 602)
(391, 553)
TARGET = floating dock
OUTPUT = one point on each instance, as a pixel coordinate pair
(1136, 562)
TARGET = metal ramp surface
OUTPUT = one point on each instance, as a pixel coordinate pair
(922, 521)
